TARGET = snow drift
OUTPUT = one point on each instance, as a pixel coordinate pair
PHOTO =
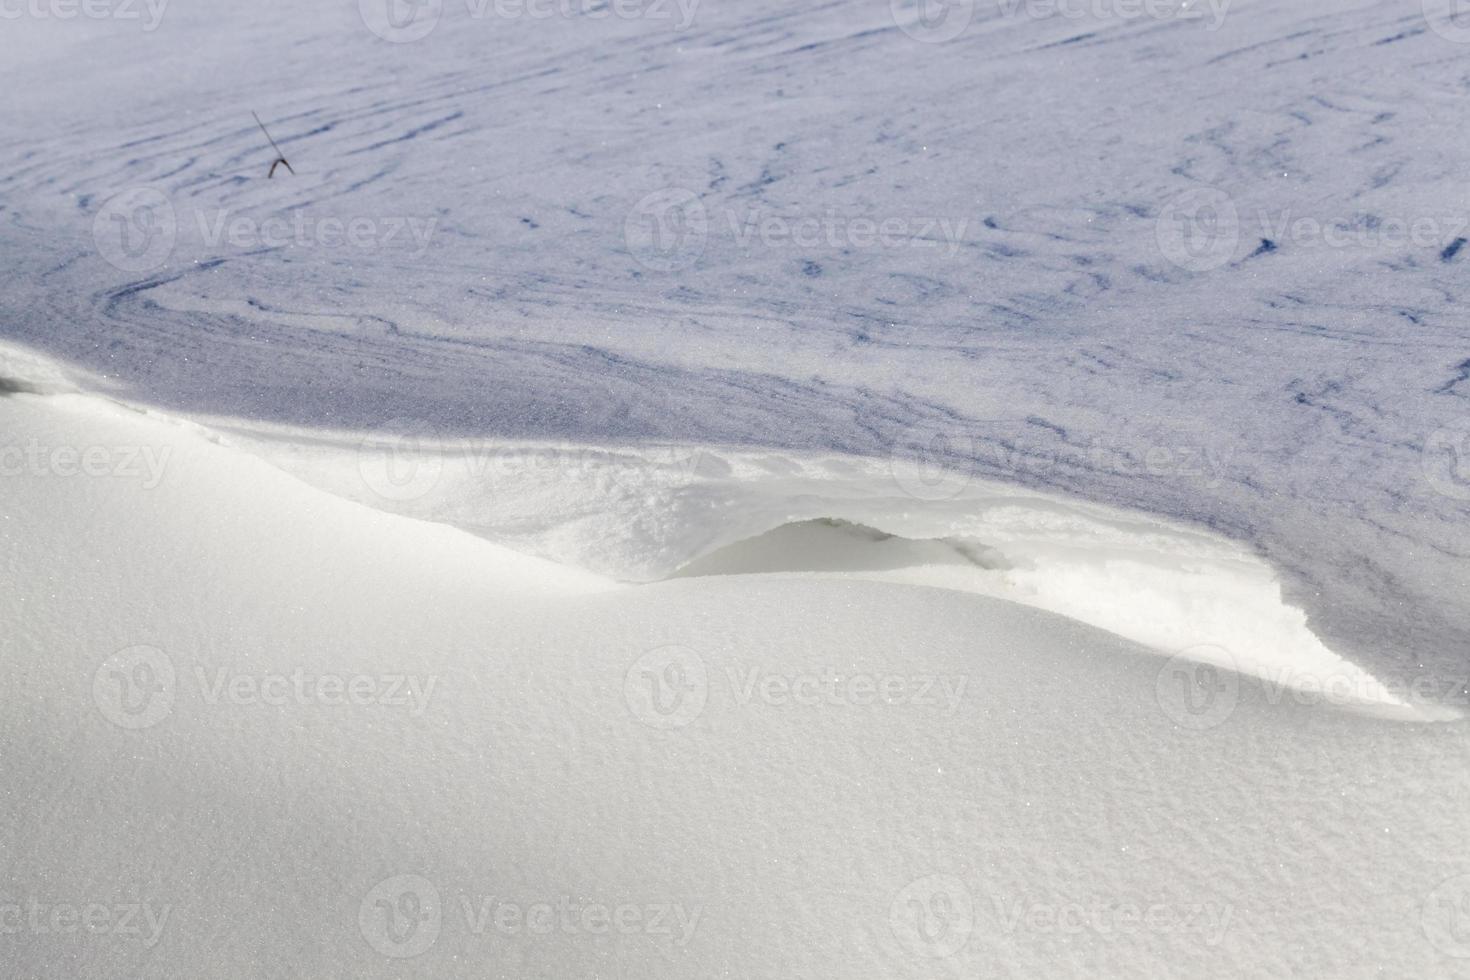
(260, 730)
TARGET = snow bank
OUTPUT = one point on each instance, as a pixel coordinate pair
(645, 513)
(658, 230)
(259, 730)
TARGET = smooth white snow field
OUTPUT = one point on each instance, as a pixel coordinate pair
(258, 730)
(734, 488)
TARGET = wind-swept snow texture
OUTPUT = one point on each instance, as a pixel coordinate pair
(1208, 266)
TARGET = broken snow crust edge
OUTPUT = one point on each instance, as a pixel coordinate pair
(651, 512)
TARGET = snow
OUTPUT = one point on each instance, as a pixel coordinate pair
(643, 513)
(881, 489)
(804, 230)
(380, 747)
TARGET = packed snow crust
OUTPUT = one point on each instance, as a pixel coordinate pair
(640, 514)
(644, 513)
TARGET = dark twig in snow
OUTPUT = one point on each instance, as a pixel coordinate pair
(280, 157)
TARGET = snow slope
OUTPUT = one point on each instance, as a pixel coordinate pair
(648, 513)
(1207, 269)
(1040, 442)
(258, 730)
